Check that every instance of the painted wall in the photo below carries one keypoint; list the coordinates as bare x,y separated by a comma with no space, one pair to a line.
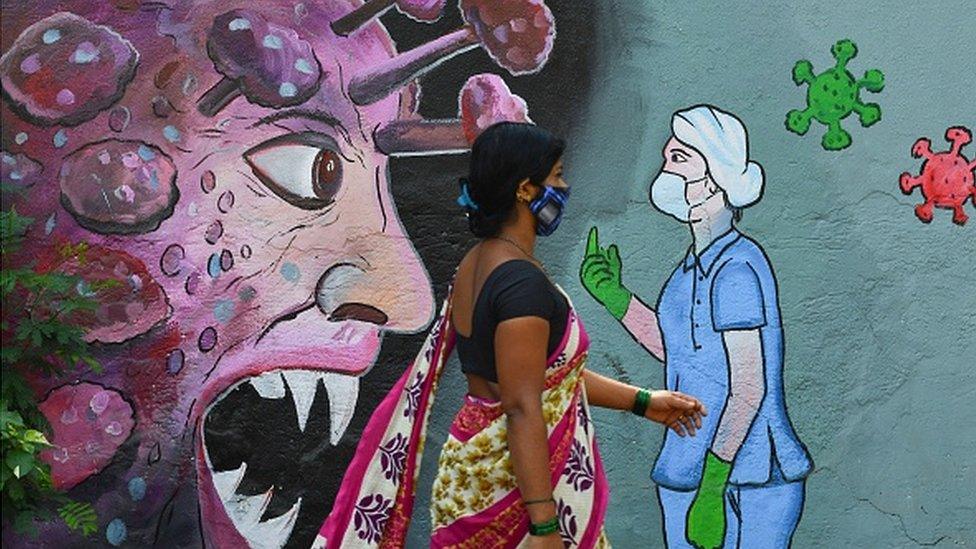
243,228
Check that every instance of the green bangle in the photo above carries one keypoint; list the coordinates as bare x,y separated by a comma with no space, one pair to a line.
544,528
641,402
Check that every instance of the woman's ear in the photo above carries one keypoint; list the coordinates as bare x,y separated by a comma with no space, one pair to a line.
526,191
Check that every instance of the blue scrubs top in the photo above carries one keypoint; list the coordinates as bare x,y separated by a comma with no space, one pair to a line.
729,287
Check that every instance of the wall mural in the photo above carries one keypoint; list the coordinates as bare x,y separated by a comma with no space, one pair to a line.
716,327
228,162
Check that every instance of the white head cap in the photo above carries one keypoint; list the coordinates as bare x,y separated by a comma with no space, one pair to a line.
721,138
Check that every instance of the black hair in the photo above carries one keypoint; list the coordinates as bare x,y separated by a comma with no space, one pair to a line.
503,156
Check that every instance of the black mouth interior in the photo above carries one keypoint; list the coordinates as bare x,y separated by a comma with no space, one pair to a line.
244,427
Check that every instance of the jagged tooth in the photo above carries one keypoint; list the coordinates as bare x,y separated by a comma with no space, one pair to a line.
319,542
273,533
270,385
226,482
343,392
246,511
302,384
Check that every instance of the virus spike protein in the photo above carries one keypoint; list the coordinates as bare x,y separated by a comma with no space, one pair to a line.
517,34
484,100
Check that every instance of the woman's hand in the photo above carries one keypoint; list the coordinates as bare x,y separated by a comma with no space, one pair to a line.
552,541
677,411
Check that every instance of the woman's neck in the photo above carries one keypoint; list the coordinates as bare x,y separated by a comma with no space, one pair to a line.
524,240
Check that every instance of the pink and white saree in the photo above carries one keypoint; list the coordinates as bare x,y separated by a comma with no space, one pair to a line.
475,500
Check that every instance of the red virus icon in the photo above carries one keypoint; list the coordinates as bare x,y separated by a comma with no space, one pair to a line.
946,179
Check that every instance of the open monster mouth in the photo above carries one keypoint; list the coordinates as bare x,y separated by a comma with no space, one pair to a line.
267,440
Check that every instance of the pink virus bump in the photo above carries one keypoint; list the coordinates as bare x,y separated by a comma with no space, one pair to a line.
267,63
129,300
119,187
946,179
486,100
65,69
517,34
89,423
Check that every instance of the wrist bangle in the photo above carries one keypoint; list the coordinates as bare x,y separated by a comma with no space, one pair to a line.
544,528
549,499
641,402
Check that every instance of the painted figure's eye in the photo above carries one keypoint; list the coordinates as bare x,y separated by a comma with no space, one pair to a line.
305,169
677,157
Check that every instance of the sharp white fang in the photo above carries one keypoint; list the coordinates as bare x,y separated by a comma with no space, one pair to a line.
226,482
343,392
319,542
302,384
270,385
273,533
246,511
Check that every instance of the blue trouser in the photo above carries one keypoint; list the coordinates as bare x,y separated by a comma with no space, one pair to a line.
756,517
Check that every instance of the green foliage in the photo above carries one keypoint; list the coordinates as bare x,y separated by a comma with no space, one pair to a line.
80,517
39,336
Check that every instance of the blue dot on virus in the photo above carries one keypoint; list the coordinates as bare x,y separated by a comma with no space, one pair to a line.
290,272
239,24
146,153
287,89
171,134
83,56
51,36
137,489
224,310
116,532
272,42
303,66
60,139
213,266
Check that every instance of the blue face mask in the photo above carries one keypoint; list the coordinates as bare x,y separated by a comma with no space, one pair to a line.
548,209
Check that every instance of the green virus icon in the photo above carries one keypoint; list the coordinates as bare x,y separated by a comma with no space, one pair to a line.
833,95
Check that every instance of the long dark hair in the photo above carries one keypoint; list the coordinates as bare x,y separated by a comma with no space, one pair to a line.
501,157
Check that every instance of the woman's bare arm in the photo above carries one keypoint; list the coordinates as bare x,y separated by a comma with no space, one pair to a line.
520,358
677,411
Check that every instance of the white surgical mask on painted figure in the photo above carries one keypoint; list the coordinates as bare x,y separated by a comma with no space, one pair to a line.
668,195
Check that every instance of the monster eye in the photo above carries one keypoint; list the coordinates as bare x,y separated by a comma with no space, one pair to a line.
304,169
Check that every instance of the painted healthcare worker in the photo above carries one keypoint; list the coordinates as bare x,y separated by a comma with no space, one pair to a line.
717,328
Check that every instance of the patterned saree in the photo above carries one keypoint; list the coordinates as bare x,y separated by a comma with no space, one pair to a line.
475,500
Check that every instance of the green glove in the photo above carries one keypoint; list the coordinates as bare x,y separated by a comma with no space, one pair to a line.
600,273
706,517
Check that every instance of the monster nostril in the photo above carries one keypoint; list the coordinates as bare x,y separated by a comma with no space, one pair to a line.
359,311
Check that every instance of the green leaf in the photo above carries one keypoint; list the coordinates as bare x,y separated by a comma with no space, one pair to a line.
80,517
20,462
35,437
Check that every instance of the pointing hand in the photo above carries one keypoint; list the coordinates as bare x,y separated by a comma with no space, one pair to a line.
601,276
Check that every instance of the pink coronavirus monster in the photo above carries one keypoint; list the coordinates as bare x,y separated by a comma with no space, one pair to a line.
227,162
946,179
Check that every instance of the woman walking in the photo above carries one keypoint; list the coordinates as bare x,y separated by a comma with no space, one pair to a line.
520,467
